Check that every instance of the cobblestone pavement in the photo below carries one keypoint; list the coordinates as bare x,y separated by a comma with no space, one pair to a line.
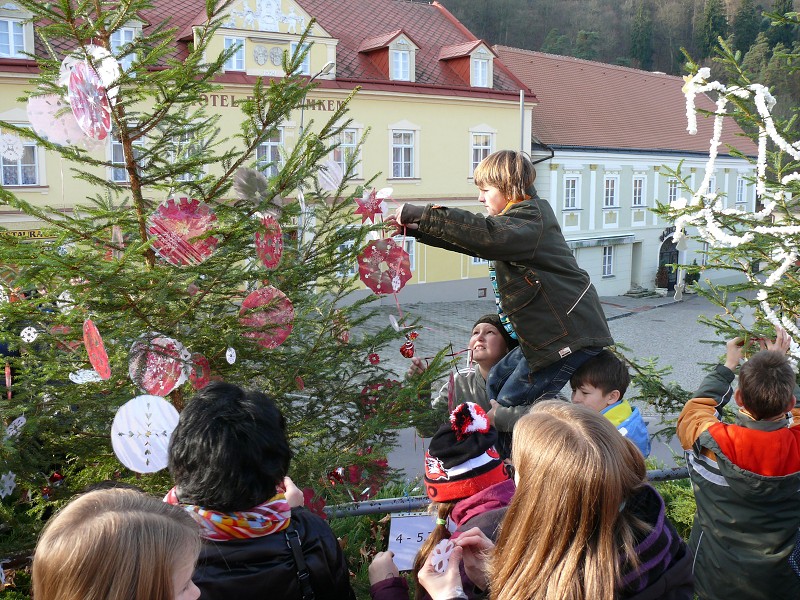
649,327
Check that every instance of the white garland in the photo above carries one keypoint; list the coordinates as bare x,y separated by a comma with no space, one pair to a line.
709,208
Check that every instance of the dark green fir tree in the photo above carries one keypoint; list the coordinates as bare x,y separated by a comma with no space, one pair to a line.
105,262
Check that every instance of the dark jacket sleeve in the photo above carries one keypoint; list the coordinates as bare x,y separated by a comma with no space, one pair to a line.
717,385
510,237
394,588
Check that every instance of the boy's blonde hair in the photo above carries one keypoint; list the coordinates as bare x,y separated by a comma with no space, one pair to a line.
566,534
116,544
510,172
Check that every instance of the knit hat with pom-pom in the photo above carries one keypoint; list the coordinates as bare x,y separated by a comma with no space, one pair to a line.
461,459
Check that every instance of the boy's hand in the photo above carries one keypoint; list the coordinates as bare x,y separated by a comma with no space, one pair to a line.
734,353
781,343
416,368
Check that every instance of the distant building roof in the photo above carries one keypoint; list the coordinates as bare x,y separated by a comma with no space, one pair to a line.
586,104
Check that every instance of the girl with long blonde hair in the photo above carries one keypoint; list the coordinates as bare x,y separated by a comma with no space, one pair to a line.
584,523
117,544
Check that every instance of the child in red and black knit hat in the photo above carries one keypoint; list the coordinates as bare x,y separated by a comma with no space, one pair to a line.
469,485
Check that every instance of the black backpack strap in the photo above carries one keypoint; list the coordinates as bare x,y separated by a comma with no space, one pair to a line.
303,574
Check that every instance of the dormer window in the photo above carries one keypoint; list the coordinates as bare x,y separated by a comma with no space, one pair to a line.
401,53
401,61
16,31
12,38
481,68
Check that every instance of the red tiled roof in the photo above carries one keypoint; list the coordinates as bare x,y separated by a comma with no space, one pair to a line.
430,26
380,41
589,104
459,50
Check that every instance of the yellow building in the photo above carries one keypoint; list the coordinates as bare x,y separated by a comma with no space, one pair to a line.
435,100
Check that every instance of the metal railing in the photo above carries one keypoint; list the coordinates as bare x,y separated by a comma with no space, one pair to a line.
409,503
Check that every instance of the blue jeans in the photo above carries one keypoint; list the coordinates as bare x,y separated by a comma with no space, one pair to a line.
511,382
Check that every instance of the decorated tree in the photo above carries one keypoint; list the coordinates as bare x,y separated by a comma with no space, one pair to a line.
207,264
754,251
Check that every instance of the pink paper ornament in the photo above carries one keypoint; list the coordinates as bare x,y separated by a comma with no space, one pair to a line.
384,266
269,242
96,349
158,364
268,311
89,101
51,117
179,227
370,206
199,372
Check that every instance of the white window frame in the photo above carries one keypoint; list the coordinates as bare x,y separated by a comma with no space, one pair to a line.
348,270
19,166
401,64
608,261
712,185
339,154
407,167
480,71
269,154
672,190
235,62
305,66
575,196
187,146
411,248
119,172
15,31
741,192
611,184
479,151
119,38
638,196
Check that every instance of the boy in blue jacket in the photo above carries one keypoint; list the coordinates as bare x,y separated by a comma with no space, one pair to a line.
599,384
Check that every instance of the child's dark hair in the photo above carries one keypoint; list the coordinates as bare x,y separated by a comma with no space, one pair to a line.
766,384
510,172
604,371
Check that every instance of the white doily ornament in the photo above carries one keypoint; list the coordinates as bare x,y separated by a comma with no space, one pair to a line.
140,433
7,484
14,429
29,334
230,356
65,302
11,147
440,557
85,376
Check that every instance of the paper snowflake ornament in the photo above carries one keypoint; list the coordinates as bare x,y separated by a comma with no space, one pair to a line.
83,376
11,147
269,242
747,316
158,364
230,355
140,433
384,266
269,315
330,176
7,484
29,334
89,101
370,206
180,228
15,428
440,556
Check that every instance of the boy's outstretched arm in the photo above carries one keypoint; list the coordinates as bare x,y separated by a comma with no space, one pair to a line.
715,391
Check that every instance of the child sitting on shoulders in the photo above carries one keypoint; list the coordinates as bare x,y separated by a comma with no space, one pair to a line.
745,476
544,299
600,384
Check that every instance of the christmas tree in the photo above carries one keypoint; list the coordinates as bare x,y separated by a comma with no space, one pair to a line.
209,262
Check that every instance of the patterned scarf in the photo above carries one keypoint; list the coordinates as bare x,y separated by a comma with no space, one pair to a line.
265,519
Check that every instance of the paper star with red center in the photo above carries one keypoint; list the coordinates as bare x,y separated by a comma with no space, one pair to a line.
369,206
